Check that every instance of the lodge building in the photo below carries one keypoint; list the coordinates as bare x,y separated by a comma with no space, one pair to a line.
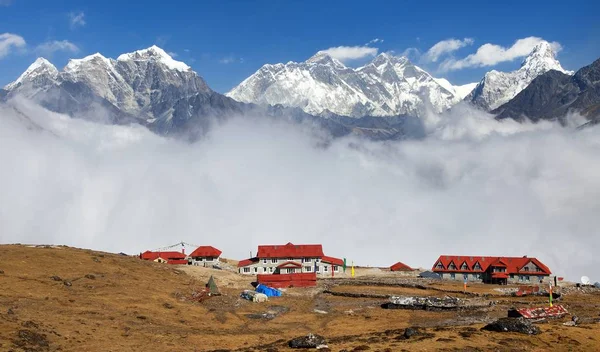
290,259
494,270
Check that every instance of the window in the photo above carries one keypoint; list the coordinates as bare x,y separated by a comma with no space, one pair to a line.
264,260
308,268
246,270
477,267
255,269
290,270
336,268
316,269
440,266
452,276
464,266
527,278
270,269
526,269
274,260
465,276
452,266
325,267
512,276
520,277
306,260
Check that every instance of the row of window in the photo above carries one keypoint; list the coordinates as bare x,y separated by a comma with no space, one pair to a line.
276,260
307,269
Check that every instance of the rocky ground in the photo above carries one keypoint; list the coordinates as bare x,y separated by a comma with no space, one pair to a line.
66,299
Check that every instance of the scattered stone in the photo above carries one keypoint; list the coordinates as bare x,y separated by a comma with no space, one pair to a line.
142,317
67,283
168,305
1,272
10,311
519,325
90,276
361,348
56,278
410,332
320,311
575,319
308,341
31,341
96,260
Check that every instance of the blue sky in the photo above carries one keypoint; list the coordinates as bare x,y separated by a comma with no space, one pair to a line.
226,41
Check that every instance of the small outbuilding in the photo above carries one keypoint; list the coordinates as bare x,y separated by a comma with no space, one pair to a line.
400,267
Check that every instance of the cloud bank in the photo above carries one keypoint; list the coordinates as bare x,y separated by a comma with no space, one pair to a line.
473,186
492,54
445,47
9,42
347,53
50,48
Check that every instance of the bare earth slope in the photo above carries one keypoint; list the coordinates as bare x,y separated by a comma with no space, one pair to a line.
65,299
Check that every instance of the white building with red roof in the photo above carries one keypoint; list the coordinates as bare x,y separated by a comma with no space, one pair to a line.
206,256
290,259
495,270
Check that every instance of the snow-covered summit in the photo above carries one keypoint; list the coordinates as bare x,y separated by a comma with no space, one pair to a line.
497,88
387,86
157,54
40,67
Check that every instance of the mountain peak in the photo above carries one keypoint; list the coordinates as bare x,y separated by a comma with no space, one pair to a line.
388,58
39,67
324,58
542,58
156,54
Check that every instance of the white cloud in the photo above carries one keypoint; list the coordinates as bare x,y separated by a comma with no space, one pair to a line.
445,47
76,19
492,54
230,59
9,42
473,186
346,53
411,53
374,41
49,48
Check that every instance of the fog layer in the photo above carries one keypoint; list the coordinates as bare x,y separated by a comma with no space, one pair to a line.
473,186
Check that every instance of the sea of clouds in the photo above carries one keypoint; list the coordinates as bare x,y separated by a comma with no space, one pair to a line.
473,186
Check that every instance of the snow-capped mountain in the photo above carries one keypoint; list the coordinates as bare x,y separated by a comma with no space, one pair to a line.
387,86
497,88
147,86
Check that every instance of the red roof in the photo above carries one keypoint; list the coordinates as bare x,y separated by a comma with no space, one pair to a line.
290,265
247,262
513,264
206,251
149,255
500,275
290,251
400,267
332,260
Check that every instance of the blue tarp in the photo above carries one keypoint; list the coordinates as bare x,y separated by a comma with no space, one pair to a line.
269,291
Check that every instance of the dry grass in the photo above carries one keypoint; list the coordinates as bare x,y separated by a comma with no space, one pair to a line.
117,303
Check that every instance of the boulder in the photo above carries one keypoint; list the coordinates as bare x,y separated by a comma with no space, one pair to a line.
308,341
519,325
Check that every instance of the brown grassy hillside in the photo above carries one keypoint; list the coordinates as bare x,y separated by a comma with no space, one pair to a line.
66,299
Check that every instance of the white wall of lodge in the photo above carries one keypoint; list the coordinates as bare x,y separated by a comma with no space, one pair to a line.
269,266
204,261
